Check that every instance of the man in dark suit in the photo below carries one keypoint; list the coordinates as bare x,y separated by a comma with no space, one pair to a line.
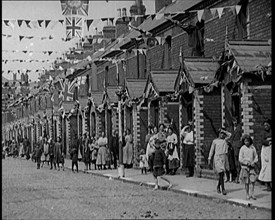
114,144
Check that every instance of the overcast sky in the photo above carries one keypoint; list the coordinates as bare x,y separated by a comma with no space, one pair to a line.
47,10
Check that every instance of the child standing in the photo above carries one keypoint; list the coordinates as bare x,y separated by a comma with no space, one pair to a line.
219,149
265,173
248,158
74,159
143,163
159,160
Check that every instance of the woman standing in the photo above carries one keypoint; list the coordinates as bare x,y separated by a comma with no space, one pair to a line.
86,153
151,148
58,152
265,173
128,150
172,151
219,149
189,147
101,155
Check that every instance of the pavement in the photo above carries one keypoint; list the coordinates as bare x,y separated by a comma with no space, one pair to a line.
192,186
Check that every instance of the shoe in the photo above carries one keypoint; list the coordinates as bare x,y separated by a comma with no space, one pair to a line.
218,190
224,192
253,197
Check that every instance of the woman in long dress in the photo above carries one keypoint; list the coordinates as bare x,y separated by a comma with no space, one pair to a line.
265,173
172,151
151,148
128,150
102,151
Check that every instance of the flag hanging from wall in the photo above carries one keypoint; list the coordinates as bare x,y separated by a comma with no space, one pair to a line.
68,89
75,7
74,27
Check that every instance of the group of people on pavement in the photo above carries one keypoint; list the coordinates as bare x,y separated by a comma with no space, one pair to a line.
234,155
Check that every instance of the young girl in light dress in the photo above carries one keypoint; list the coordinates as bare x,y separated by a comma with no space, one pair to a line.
143,163
248,158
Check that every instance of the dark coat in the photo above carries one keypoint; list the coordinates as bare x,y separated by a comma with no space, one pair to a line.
231,157
74,155
86,152
158,158
114,144
57,152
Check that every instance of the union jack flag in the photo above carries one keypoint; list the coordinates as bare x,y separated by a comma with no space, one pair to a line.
74,27
75,7
67,90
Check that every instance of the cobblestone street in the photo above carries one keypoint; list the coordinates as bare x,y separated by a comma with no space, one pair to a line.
28,193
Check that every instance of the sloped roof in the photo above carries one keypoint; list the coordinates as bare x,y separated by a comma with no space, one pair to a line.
5,80
201,70
135,87
111,91
164,80
149,24
250,54
97,97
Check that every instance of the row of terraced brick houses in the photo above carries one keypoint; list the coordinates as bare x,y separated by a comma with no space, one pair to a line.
207,61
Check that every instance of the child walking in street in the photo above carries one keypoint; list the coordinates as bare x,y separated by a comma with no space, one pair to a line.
143,163
159,161
248,158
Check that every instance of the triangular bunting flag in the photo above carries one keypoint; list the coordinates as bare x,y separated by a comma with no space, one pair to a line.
6,22
19,22
21,37
12,23
90,40
40,22
50,52
24,51
238,8
61,21
213,11
47,23
28,23
89,22
200,14
153,16
220,10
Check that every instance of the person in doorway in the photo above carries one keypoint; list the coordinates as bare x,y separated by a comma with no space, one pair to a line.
38,152
266,164
231,173
151,148
51,154
189,146
86,153
248,158
94,149
219,149
58,152
148,136
101,155
74,158
235,142
114,146
45,155
128,150
172,152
